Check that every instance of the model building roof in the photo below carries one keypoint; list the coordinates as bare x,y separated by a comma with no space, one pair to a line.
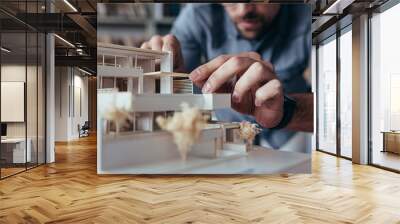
172,102
161,102
166,74
125,51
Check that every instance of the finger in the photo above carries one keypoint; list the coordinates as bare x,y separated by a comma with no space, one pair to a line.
204,71
156,43
230,69
170,43
257,57
268,91
251,54
145,45
255,76
269,65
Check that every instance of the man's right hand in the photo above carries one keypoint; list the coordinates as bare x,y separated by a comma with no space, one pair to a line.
167,43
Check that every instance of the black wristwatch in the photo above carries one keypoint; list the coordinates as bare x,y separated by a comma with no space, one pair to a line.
289,106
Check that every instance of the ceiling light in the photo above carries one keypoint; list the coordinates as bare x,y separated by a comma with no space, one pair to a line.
338,6
86,72
329,9
70,5
65,41
5,50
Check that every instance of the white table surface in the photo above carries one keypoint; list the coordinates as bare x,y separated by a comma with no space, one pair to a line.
259,161
18,151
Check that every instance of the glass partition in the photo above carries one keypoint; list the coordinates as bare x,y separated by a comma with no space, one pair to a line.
22,77
14,153
385,89
326,107
346,93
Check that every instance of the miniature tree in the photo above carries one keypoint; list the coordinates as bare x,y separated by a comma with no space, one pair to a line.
248,132
185,127
118,116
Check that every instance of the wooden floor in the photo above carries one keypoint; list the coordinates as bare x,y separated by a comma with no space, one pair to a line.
70,191
5,172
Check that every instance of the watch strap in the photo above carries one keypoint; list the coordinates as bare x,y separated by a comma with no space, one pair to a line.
289,107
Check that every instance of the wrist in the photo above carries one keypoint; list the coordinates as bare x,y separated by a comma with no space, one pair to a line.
289,107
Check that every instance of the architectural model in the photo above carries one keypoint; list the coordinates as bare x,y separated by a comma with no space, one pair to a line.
150,121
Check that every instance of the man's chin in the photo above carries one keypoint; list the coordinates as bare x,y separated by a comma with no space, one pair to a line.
249,34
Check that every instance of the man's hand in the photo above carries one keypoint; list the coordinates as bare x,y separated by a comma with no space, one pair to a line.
167,43
254,86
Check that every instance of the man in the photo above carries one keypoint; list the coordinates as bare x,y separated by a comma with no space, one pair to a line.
256,52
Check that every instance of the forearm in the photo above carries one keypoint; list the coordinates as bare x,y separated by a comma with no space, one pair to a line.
302,119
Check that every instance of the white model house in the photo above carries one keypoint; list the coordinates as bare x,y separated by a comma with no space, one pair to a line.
130,142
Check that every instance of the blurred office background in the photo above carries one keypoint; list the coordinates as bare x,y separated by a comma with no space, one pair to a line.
131,24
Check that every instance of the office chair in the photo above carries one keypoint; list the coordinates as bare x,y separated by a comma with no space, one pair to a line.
84,130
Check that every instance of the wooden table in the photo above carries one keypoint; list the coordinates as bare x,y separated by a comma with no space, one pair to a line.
391,141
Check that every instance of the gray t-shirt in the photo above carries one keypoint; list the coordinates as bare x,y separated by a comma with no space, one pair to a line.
205,31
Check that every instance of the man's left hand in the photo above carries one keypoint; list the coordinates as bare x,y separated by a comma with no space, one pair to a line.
252,82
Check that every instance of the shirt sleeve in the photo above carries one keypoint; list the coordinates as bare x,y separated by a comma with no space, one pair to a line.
187,30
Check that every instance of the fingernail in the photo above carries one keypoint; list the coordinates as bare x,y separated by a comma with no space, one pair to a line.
206,88
257,103
235,97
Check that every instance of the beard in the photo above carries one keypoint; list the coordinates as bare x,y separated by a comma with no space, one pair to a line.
252,25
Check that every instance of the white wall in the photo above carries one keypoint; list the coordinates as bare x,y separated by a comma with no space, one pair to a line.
33,127
81,84
17,73
70,83
61,103
14,73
